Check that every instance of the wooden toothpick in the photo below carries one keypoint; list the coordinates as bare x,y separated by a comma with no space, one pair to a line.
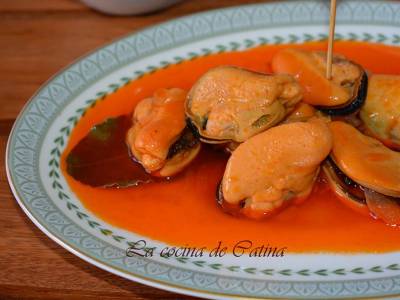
331,39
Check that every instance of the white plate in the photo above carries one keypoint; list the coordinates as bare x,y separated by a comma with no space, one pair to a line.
43,127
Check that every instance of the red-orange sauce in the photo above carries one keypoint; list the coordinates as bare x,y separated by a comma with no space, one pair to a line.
184,212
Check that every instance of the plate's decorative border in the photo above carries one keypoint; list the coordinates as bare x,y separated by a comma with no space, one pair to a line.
31,126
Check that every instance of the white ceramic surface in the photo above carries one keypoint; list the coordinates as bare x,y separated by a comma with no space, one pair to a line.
128,7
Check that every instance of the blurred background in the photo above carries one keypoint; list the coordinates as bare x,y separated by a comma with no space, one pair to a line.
38,38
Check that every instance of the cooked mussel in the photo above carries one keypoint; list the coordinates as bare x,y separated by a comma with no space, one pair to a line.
232,104
301,113
381,112
364,173
159,138
273,168
343,94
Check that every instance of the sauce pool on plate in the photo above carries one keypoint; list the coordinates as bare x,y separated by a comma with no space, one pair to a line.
183,211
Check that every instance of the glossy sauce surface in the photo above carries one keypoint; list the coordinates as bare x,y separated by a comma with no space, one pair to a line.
183,211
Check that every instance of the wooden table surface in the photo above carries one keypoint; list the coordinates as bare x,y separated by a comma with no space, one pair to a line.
38,38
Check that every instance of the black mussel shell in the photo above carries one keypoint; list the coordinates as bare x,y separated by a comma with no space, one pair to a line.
219,195
232,209
352,189
193,128
186,141
196,133
353,105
